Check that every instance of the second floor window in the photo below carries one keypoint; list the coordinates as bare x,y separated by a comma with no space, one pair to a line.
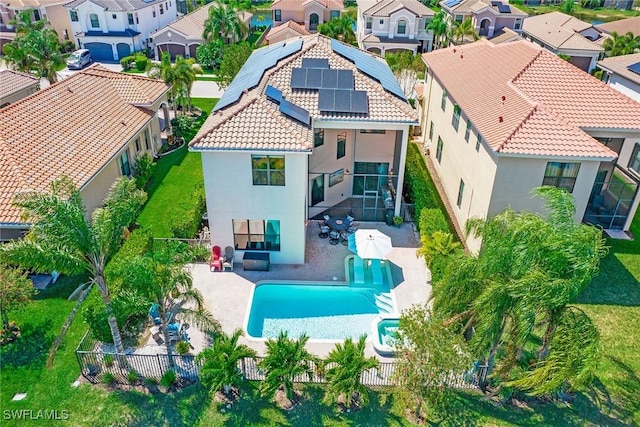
342,145
634,161
455,119
439,150
431,129
268,170
443,102
95,23
74,15
561,175
518,24
277,15
161,9
318,137
467,132
335,14
369,21
402,26
130,18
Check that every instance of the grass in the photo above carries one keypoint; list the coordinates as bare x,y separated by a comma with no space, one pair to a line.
174,175
587,15
254,36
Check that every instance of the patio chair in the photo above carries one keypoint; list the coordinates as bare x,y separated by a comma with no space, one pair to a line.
376,271
358,270
350,217
344,237
326,218
324,231
334,237
216,259
173,330
228,259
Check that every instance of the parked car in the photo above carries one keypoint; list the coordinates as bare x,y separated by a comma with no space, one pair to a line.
78,59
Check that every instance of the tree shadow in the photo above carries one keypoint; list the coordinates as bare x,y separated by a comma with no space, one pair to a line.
31,348
249,409
614,285
397,276
625,403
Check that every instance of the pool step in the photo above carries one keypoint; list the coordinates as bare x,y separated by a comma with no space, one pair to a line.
384,303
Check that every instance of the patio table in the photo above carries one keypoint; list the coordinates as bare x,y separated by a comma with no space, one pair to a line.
338,223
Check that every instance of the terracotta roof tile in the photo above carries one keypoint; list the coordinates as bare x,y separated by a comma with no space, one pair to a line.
301,4
289,25
191,25
386,7
505,35
14,81
526,98
240,118
73,127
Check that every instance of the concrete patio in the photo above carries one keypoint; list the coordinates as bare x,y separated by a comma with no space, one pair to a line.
227,294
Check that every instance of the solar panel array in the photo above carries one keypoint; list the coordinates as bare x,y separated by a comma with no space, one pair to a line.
321,78
369,65
343,101
273,94
495,3
295,112
451,3
315,63
253,69
504,8
635,67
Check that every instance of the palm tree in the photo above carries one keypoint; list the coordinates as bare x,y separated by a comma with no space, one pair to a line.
223,21
617,44
568,7
167,73
344,376
180,75
286,358
185,73
464,29
61,237
220,362
441,30
161,277
340,28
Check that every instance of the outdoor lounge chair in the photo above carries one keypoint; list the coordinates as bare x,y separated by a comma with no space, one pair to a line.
376,272
358,270
216,259
334,237
324,231
228,259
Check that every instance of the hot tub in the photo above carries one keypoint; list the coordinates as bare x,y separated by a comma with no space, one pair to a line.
383,333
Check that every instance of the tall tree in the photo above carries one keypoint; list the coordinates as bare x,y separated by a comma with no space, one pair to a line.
220,362
625,44
340,28
16,290
223,22
568,7
185,72
529,270
441,29
167,73
465,29
348,364
62,238
406,67
233,58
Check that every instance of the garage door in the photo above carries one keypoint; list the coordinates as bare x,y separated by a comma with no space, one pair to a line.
123,50
100,51
581,62
173,49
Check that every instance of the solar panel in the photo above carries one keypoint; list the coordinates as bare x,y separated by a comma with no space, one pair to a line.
314,78
253,69
371,66
295,112
635,67
359,101
298,78
451,3
345,79
495,3
504,8
274,94
326,100
343,101
315,63
329,79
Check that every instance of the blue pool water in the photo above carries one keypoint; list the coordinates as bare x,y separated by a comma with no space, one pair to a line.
387,331
261,18
321,311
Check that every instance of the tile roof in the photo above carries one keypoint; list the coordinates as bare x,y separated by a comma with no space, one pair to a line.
387,7
14,81
529,101
302,4
191,25
264,127
560,31
289,25
372,38
505,35
116,5
24,4
618,65
622,26
73,127
468,6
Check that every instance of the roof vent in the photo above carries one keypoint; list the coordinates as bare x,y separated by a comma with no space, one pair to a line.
124,122
454,50
500,119
461,56
504,98
69,89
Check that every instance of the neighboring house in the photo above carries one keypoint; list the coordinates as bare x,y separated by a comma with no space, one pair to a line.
281,147
90,126
113,29
285,31
506,35
15,86
621,26
529,119
488,17
184,35
565,35
623,74
394,25
51,10
309,13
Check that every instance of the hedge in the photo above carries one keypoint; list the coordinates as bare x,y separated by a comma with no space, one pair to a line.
185,225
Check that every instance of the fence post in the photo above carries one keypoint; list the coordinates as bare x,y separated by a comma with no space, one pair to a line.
159,365
244,369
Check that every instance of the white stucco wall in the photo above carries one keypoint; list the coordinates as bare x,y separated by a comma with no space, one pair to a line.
629,88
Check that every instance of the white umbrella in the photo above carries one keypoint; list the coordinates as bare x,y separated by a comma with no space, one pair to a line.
370,244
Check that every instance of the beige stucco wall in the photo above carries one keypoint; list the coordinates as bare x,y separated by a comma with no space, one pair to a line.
288,15
16,96
58,17
282,35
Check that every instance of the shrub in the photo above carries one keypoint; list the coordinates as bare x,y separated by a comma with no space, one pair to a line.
67,46
125,62
143,170
182,125
186,224
183,347
141,63
132,377
419,188
168,378
200,253
432,220
108,378
108,359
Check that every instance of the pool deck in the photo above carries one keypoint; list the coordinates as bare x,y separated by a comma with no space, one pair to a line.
227,294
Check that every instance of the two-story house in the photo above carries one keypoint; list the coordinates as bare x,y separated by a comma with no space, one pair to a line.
565,35
529,119
309,13
113,29
489,17
623,74
394,25
51,10
91,127
308,125
15,86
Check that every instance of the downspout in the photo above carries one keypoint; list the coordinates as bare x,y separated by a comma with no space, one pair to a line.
426,101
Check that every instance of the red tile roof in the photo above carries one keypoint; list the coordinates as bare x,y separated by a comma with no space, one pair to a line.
528,101
289,25
14,81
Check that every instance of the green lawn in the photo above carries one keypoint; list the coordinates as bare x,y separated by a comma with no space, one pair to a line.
587,15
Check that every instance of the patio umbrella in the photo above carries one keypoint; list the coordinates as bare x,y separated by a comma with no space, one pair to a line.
370,244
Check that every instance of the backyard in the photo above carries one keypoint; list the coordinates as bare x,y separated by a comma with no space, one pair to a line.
612,301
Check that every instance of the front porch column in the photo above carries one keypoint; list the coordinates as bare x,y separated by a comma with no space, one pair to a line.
167,118
403,157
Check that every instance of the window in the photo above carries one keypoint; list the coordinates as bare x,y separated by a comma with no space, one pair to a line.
431,129
114,16
382,22
467,131
336,177
459,19
317,190
460,193
369,176
342,144
138,20
634,161
130,18
161,9
74,15
95,23
277,15
147,144
439,150
478,142
518,24
154,13
261,235
369,21
65,34
335,14
268,170
443,102
36,15
455,119
374,131
402,26
318,137
123,161
561,175
137,144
